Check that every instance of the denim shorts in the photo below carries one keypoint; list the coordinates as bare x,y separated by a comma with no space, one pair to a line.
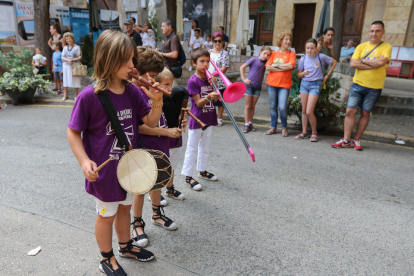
311,87
252,91
58,75
363,97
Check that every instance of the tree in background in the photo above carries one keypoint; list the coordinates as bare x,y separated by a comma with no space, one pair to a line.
41,30
87,53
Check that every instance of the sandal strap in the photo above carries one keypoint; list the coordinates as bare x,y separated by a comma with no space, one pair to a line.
188,180
159,210
108,255
138,219
207,174
172,190
134,229
130,246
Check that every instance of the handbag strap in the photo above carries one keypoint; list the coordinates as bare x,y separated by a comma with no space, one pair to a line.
113,118
372,50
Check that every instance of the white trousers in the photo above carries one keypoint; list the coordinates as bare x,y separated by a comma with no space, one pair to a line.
174,156
200,139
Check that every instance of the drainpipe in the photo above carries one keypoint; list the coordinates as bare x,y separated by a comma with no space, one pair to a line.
229,19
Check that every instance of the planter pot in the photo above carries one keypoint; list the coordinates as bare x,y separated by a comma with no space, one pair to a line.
322,121
22,96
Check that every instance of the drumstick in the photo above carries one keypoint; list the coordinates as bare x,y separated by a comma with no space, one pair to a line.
103,164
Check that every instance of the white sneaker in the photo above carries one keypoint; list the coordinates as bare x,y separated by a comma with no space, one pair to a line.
64,98
219,122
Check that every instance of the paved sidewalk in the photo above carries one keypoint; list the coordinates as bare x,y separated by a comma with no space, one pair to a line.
390,127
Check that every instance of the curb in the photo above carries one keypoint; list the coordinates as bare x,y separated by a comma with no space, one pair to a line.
292,124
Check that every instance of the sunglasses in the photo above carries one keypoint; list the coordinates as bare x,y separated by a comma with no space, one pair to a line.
217,41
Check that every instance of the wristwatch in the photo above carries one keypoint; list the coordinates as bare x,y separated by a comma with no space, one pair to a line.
361,60
277,65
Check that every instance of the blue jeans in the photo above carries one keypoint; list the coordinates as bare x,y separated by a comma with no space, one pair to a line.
278,97
363,97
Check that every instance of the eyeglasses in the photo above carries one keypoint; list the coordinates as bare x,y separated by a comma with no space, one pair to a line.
217,41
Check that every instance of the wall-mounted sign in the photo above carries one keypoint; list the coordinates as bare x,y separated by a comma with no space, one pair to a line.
8,32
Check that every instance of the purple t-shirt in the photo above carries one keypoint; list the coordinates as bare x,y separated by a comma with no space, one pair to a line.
256,72
312,64
98,135
161,143
207,114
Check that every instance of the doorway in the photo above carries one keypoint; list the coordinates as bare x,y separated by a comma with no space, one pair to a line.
303,25
354,21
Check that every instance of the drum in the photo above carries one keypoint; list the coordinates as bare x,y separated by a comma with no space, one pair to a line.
140,171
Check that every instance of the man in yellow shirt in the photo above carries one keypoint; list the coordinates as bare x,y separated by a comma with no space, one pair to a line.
370,60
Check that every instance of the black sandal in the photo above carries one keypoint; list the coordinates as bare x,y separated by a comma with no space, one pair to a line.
207,176
106,266
171,192
142,255
168,223
141,240
195,185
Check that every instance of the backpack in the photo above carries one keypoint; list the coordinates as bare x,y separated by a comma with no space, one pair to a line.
181,59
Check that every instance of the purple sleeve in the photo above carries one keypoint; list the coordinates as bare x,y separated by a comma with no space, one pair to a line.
300,65
80,113
143,107
193,88
250,62
325,59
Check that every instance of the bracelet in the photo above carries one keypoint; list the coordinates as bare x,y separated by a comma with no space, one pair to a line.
328,75
205,97
157,106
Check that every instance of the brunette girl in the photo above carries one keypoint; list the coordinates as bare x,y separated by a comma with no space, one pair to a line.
93,141
310,68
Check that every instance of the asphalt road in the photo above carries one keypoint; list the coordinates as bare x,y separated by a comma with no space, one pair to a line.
302,209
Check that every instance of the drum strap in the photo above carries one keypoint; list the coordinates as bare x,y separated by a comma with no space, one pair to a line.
113,118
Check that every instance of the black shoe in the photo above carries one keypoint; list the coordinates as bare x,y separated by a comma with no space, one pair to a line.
193,185
106,267
143,255
141,240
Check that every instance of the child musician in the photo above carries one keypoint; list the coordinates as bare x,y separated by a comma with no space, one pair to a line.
93,140
202,106
150,62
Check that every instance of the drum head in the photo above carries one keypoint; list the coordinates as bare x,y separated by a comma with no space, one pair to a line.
137,171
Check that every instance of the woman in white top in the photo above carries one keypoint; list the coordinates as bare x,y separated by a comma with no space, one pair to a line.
148,35
221,58
71,55
191,36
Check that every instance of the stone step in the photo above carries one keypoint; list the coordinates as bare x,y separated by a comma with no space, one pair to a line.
395,109
392,97
400,83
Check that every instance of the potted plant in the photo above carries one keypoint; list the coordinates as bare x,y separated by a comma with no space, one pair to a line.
328,109
19,82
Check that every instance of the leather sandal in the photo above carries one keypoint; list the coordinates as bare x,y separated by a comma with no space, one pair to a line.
106,266
141,240
192,183
159,214
314,137
172,192
285,133
142,255
271,131
301,136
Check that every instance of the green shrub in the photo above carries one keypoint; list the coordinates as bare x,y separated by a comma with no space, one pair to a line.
87,52
20,76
